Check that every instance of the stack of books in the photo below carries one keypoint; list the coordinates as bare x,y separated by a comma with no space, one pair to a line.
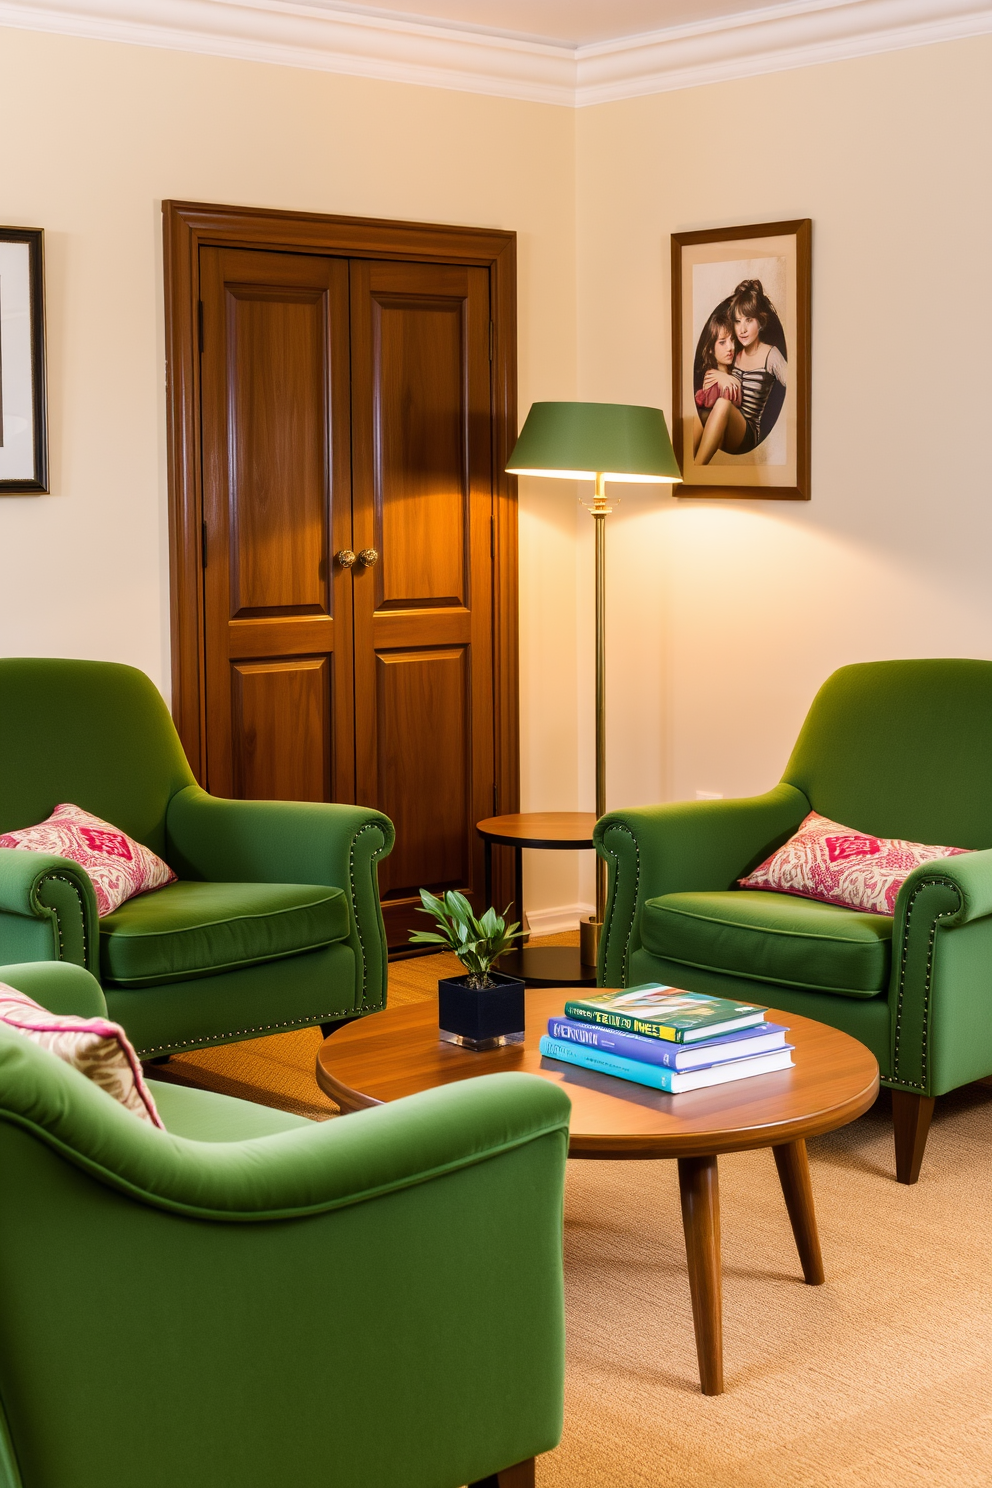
667,1038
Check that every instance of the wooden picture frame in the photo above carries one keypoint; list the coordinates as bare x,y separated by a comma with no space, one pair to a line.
741,408
23,382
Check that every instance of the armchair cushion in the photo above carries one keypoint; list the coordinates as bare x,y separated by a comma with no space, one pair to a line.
194,929
206,1116
773,937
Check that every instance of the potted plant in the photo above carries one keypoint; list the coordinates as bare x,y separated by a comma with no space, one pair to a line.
482,1009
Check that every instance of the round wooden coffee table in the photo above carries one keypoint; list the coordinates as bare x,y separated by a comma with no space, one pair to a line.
835,1079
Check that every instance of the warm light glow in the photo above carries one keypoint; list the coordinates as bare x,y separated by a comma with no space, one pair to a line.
608,475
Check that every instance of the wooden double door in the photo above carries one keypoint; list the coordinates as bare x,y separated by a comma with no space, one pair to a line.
347,547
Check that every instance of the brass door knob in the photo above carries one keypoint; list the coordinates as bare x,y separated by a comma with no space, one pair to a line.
346,558
368,557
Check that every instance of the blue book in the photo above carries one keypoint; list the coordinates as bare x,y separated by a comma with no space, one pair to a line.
740,1045
673,1082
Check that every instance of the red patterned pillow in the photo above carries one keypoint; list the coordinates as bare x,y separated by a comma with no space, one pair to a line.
96,1048
841,866
118,866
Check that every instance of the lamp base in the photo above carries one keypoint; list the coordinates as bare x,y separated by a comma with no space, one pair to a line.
590,930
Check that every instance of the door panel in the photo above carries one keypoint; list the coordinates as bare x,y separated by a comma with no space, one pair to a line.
422,497
421,492
278,428
272,762
276,506
422,694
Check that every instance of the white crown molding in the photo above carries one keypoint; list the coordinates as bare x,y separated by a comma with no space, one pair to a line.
317,38
776,38
800,33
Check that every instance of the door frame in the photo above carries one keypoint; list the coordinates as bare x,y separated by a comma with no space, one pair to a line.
188,226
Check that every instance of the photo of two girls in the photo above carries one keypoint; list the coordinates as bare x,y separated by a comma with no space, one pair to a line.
740,374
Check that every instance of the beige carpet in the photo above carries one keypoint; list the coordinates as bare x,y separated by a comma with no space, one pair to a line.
882,1378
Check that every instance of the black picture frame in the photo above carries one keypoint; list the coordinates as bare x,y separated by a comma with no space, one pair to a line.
35,483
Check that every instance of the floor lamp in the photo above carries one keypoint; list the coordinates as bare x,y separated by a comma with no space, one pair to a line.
596,442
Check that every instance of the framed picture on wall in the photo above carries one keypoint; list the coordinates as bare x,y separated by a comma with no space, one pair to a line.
741,361
23,394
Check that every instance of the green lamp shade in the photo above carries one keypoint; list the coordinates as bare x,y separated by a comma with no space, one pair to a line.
577,441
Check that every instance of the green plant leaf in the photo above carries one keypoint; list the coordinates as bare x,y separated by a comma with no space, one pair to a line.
491,924
476,942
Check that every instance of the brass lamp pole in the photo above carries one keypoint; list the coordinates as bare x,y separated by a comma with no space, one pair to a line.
597,442
600,511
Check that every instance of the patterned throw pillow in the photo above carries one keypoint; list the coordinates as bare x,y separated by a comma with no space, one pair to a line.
118,866
96,1048
841,866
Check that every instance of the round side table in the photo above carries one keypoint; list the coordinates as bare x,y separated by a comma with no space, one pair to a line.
557,831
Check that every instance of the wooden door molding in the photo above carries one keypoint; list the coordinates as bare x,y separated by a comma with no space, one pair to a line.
189,226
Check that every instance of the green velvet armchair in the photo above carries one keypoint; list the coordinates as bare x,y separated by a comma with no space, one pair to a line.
275,923
250,1299
896,749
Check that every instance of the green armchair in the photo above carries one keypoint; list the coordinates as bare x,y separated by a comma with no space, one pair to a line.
249,1299
275,923
894,748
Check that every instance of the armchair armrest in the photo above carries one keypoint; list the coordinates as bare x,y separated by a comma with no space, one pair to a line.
684,845
966,881
306,842
290,1175
943,901
59,986
47,909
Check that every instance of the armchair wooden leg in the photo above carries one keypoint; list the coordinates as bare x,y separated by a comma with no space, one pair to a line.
521,1476
911,1119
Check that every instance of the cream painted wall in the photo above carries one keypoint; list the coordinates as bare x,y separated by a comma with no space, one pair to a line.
726,616
109,131
723,617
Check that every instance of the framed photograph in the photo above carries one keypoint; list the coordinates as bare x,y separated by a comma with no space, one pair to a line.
23,394
741,361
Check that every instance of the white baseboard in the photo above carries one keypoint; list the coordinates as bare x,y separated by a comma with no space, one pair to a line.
557,919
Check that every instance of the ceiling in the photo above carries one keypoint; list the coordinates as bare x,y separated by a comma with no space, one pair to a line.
571,23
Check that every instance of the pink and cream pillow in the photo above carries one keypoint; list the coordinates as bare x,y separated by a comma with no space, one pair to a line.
98,1049
840,866
117,866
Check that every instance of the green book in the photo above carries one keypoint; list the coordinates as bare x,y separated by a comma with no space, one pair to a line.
657,1011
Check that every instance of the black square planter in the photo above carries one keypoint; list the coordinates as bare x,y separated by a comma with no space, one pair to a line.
481,1017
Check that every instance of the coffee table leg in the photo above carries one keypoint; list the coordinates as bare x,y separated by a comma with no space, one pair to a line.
793,1174
700,1192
